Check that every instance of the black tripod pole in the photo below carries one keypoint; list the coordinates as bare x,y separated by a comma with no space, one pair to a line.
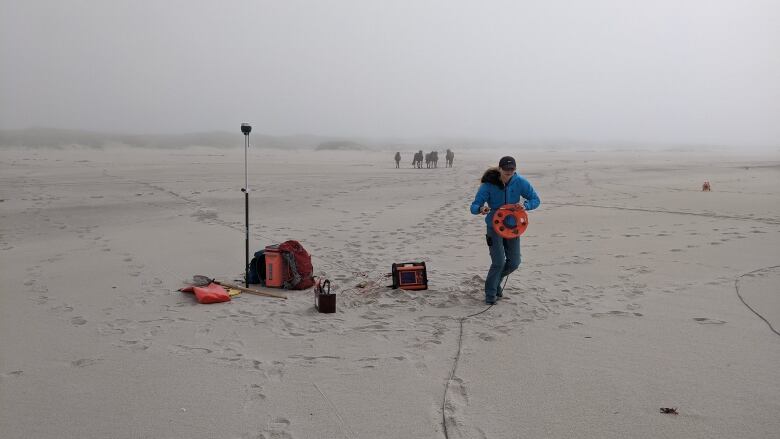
246,129
246,251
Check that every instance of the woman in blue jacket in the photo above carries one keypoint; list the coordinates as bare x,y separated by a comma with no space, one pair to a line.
501,186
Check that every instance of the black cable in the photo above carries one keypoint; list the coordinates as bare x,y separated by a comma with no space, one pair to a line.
736,287
455,363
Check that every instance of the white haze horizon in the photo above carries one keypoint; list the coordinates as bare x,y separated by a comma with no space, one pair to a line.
599,72
44,137
478,140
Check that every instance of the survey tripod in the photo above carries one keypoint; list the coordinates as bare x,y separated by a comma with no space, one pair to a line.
246,129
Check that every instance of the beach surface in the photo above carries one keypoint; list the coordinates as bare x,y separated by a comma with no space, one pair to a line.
637,292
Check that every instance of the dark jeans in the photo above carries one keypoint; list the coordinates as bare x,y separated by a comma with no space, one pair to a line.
505,257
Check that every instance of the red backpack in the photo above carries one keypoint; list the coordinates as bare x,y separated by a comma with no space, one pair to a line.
299,262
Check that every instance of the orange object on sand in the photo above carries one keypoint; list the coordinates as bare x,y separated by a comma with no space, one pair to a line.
275,267
211,293
510,221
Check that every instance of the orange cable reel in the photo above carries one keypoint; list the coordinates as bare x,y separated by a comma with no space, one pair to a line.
510,221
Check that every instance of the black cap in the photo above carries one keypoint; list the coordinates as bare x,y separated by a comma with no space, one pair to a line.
507,162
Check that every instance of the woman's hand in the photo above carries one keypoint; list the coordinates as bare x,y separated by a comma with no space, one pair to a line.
484,210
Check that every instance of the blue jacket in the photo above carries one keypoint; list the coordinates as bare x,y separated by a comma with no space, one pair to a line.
496,194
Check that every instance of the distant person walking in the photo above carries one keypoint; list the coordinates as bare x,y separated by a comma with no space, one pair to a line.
397,160
501,186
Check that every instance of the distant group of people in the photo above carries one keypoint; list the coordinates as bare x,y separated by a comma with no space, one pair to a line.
431,159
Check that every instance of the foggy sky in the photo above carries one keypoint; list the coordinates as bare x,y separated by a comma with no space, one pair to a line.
703,71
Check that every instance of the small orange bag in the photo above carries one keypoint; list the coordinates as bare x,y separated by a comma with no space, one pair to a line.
212,293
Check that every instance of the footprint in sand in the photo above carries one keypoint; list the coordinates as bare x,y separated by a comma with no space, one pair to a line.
84,362
708,321
276,371
616,314
255,393
278,429
62,308
369,362
11,374
183,349
484,336
133,345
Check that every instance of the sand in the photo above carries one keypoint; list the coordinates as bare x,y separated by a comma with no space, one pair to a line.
626,301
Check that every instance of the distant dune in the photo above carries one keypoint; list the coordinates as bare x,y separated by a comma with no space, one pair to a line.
340,145
39,137
60,138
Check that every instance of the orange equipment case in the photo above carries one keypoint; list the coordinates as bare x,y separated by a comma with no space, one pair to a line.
410,276
276,271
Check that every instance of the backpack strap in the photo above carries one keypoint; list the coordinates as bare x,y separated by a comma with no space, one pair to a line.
295,276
